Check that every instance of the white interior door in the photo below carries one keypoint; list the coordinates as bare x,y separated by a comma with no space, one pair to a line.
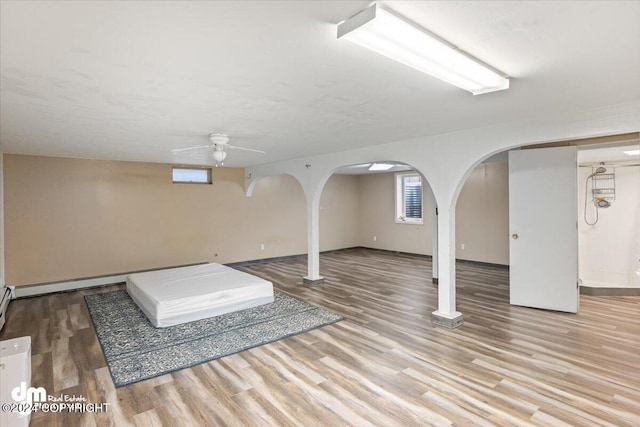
543,216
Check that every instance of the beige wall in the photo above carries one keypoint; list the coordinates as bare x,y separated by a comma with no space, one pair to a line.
69,218
339,213
482,216
377,211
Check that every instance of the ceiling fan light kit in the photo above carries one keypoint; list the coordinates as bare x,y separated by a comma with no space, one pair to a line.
395,37
219,142
219,155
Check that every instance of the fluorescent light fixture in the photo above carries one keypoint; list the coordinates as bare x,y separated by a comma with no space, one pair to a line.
632,152
380,167
388,34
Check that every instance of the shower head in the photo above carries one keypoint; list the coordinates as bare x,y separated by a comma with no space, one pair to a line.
598,171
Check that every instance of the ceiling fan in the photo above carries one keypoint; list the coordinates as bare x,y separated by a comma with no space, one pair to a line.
219,143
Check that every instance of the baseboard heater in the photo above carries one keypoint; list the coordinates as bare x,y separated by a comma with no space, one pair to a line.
4,304
90,282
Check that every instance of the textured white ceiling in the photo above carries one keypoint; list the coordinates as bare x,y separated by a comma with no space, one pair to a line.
130,80
592,156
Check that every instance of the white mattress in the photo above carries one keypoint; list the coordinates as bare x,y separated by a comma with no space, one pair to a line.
179,295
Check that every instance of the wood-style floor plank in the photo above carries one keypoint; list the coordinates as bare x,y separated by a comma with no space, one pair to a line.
385,365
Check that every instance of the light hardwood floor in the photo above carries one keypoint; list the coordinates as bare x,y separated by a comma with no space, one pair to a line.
384,365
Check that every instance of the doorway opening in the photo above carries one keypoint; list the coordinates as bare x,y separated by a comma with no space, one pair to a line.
609,218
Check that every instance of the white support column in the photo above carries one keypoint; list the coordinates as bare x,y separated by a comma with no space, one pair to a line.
434,238
2,256
434,245
313,242
446,315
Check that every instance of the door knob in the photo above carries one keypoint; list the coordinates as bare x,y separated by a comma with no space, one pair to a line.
514,235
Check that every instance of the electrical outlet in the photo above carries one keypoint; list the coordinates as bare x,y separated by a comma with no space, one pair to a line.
462,246
375,238
262,246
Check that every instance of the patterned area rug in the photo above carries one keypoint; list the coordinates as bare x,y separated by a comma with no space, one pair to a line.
135,350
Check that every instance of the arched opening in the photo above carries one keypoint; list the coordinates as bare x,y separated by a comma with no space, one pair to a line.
388,208
482,233
484,195
390,215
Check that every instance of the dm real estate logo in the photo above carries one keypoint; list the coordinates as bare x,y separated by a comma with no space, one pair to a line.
35,399
26,398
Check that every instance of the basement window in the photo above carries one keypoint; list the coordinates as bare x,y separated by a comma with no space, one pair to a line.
192,175
408,198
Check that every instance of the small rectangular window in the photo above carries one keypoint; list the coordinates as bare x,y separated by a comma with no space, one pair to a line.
408,198
192,175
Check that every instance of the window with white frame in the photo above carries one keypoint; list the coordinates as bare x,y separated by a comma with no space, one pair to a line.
192,175
408,198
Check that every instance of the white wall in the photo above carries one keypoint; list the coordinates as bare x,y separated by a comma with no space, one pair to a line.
609,250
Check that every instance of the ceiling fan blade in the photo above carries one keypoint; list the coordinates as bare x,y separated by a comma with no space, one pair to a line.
178,150
245,149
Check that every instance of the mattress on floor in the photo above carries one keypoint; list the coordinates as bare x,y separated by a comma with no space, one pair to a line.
179,295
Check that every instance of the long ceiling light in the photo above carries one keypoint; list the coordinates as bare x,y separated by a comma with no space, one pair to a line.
390,35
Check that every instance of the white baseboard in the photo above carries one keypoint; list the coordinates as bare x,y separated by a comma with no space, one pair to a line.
31,290
595,284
